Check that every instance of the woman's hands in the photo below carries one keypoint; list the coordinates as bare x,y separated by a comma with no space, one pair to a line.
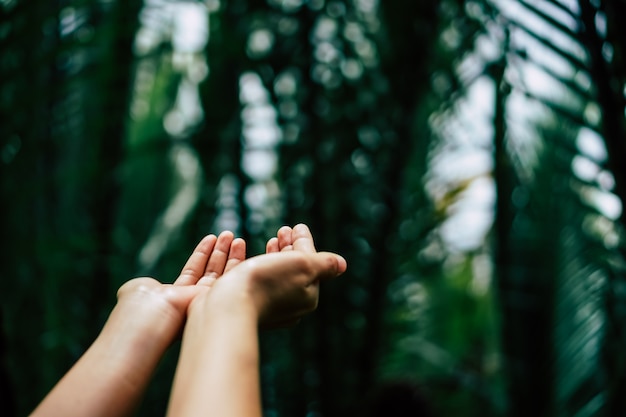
277,288
218,368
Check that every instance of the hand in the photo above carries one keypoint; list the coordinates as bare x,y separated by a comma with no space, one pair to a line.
161,308
280,287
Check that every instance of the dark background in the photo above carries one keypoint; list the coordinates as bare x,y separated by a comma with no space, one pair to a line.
466,157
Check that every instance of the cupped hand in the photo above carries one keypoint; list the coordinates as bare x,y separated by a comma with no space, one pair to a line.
283,285
161,308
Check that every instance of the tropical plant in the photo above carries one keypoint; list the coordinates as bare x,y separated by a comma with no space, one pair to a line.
463,155
559,251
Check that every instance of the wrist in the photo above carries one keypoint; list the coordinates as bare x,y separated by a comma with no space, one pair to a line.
231,296
132,346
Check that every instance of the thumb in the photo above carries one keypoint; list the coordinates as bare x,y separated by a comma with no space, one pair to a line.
330,265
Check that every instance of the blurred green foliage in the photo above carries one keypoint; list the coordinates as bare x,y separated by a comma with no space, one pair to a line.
464,156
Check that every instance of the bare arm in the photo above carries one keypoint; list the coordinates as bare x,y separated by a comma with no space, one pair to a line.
110,378
112,375
218,369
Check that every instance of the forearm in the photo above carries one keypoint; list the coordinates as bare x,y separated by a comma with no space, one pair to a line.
110,378
218,369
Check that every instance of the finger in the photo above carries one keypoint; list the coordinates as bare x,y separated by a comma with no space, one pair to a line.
196,264
236,255
284,236
302,240
342,264
305,269
217,260
207,280
272,245
329,265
